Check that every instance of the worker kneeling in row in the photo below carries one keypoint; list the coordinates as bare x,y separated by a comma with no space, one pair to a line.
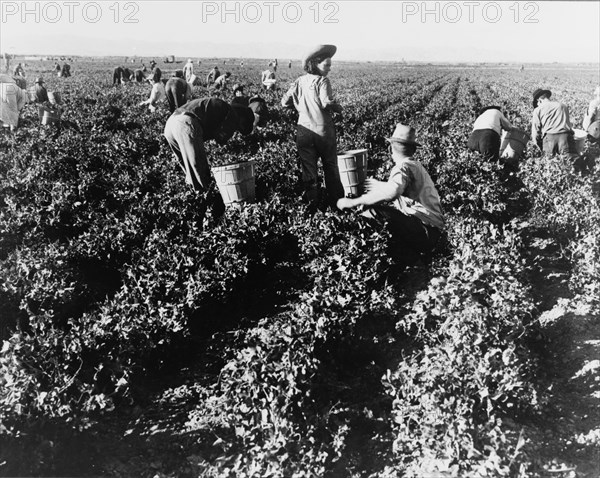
415,216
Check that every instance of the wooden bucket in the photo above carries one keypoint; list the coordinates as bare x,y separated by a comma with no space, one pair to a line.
353,171
50,116
579,136
236,182
513,143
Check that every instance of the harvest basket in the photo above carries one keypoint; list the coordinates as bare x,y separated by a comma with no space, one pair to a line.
353,171
49,116
236,182
513,143
579,136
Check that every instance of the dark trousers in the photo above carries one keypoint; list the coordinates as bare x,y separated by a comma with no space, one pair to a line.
560,143
486,142
406,230
311,147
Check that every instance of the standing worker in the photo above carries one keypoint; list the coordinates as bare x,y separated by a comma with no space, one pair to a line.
12,100
487,129
551,127
312,97
188,70
178,91
194,123
415,218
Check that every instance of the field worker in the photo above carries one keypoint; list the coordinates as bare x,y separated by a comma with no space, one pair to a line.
414,217
212,76
593,113
239,98
117,75
158,93
551,127
259,107
40,94
12,100
127,75
152,65
178,92
18,70
290,64
139,74
188,70
312,97
487,129
66,70
194,123
267,79
221,82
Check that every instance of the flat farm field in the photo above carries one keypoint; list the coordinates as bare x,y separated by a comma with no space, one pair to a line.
143,337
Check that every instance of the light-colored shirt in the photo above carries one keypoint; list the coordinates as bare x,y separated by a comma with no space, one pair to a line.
312,97
418,195
157,94
593,113
550,117
188,71
220,82
12,100
492,119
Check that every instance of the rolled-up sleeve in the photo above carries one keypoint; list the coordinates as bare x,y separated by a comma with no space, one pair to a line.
536,127
326,96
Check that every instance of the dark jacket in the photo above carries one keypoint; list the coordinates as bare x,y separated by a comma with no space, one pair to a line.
176,89
41,94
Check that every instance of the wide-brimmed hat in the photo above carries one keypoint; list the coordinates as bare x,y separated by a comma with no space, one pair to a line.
539,92
404,134
485,108
320,51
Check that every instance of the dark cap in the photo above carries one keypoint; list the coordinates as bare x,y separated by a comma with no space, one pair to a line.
539,92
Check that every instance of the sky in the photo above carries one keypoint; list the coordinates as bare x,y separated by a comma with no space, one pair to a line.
432,31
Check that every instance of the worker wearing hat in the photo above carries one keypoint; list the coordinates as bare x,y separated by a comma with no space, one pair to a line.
551,127
39,93
485,137
311,95
408,202
194,123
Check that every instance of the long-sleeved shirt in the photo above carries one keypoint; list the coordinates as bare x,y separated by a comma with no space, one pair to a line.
312,97
550,117
157,94
12,100
188,71
418,195
178,92
492,119
213,114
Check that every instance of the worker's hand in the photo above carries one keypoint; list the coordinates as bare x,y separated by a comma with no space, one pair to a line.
345,203
373,184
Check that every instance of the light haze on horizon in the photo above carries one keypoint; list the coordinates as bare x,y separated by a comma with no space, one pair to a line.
437,31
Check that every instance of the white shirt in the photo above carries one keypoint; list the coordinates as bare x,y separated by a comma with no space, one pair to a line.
492,119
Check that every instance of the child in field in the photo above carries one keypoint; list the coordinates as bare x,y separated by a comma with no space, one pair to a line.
312,97
415,218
